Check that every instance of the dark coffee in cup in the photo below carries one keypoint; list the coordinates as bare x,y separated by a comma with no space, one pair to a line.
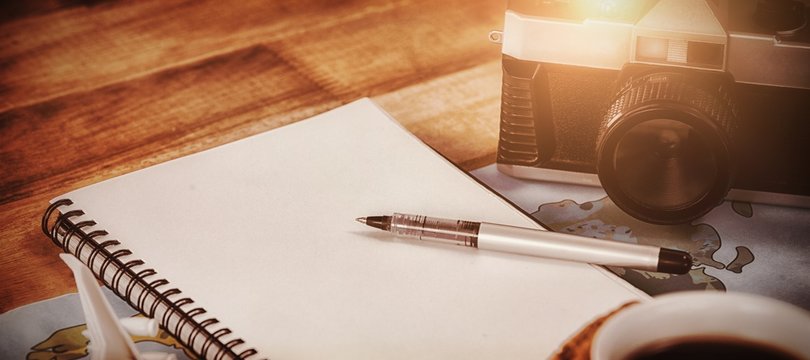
710,348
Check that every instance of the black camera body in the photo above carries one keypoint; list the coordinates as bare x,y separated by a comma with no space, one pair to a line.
670,105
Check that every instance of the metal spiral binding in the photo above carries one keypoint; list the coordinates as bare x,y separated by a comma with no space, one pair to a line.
64,230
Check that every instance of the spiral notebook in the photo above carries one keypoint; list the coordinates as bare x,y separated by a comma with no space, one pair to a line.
250,250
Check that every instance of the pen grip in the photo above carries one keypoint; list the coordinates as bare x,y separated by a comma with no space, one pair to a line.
435,229
561,246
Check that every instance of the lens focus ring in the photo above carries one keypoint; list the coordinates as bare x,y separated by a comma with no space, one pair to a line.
710,97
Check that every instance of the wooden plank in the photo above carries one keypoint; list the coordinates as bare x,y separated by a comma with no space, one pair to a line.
380,53
87,137
31,269
85,48
457,114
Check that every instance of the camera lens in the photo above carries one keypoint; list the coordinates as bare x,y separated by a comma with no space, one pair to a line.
664,147
665,164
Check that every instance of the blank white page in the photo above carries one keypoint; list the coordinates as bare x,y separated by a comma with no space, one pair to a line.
261,232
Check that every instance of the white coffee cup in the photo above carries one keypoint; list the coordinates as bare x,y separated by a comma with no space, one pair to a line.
688,315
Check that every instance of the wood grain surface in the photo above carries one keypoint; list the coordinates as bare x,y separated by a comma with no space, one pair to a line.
90,90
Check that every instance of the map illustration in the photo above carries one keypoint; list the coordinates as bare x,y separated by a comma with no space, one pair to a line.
69,343
52,329
738,246
603,220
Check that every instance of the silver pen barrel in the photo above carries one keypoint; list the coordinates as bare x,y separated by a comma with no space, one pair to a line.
561,246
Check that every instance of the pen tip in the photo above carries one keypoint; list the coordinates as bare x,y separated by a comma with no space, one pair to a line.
361,220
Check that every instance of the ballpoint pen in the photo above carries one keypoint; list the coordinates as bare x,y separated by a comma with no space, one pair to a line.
525,241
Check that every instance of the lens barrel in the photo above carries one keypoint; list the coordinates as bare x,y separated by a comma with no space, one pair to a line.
664,153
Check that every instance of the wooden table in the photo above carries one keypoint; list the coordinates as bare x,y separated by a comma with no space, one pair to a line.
93,89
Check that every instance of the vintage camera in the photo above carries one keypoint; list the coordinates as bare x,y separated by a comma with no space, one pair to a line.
667,104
